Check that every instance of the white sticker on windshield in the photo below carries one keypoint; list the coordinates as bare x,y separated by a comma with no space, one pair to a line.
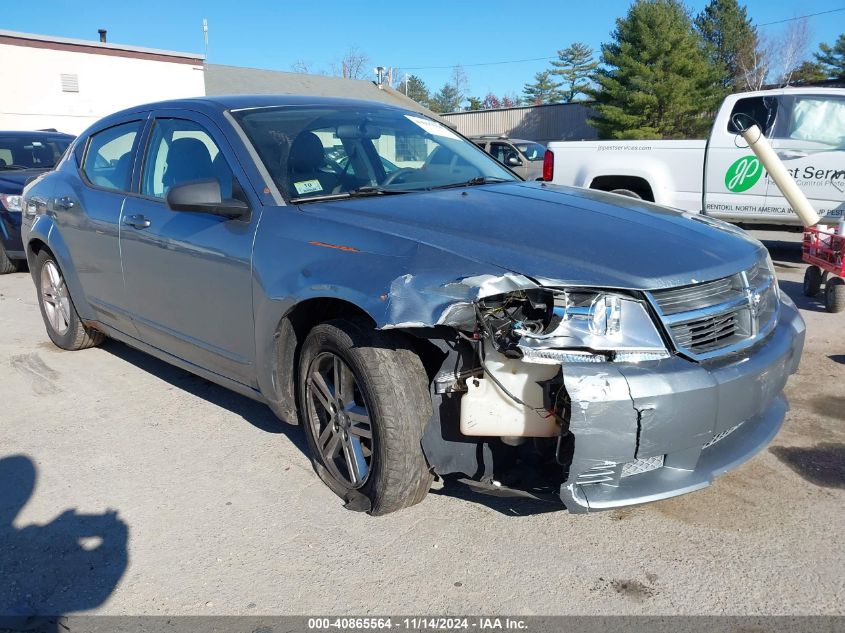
432,127
308,186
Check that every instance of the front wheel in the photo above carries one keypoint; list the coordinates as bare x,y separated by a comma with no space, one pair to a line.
7,265
364,403
64,326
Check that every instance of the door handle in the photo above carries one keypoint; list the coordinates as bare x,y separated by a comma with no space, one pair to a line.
137,220
788,154
65,202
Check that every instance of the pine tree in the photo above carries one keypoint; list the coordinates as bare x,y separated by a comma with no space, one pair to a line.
731,40
574,65
808,72
447,99
474,103
832,58
543,90
415,88
657,81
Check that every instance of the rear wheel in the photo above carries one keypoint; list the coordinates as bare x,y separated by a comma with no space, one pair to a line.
812,281
364,403
834,295
7,265
64,327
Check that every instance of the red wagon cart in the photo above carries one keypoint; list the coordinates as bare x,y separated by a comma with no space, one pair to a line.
825,252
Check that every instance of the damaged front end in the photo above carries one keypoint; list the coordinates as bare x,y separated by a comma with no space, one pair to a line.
589,386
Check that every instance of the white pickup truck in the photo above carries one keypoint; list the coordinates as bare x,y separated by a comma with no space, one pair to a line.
721,175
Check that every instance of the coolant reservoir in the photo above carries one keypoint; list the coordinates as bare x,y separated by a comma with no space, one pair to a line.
488,411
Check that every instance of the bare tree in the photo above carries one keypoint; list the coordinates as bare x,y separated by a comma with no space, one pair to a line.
460,81
353,65
301,66
754,62
792,49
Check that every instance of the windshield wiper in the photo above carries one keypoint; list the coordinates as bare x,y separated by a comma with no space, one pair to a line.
14,167
478,180
375,190
360,192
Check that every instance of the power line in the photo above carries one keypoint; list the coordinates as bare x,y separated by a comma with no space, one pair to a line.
542,59
801,17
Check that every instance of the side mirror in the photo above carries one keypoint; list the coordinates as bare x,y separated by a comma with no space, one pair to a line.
513,161
203,196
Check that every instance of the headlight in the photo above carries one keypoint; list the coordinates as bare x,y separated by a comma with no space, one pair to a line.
11,202
554,326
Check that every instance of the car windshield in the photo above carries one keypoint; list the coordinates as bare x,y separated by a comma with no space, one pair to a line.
315,152
23,151
532,151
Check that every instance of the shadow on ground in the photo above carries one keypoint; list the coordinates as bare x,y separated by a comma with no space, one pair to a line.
72,563
256,413
822,464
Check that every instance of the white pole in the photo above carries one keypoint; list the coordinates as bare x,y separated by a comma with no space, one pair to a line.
761,147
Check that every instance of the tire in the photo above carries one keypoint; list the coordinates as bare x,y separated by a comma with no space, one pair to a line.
627,192
381,409
7,265
812,281
834,295
63,325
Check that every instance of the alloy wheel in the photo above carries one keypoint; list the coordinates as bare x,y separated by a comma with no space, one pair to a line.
55,298
339,419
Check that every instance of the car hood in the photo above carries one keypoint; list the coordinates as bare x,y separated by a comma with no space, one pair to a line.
557,234
13,180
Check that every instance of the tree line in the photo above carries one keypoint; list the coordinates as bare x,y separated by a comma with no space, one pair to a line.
662,72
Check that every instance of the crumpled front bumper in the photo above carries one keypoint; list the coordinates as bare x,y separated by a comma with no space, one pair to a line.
650,431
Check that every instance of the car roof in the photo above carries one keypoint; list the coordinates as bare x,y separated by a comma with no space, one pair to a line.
222,103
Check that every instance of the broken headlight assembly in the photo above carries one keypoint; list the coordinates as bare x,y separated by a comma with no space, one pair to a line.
571,325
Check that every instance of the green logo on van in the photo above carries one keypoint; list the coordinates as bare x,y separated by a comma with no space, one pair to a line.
743,174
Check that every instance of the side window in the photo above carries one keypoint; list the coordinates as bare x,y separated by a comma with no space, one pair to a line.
181,151
108,159
762,110
502,151
816,119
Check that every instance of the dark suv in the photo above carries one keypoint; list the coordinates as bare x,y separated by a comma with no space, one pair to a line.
23,155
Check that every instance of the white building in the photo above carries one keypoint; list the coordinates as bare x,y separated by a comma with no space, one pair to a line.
67,84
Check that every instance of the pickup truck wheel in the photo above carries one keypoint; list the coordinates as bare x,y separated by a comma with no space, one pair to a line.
7,265
812,281
834,295
364,403
64,327
627,192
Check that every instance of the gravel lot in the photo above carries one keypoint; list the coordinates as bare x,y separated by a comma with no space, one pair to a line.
219,512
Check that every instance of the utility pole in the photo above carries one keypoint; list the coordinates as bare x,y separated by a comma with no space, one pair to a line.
205,36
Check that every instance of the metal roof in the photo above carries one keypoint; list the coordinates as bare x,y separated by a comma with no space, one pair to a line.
230,80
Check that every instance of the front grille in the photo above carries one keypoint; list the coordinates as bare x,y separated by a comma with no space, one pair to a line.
716,317
720,436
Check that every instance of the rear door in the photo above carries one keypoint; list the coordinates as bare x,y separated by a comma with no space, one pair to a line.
809,138
188,274
735,185
87,206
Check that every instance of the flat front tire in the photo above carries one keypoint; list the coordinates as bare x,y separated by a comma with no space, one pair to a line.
63,324
364,404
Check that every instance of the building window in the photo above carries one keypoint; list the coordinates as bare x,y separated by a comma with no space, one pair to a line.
70,82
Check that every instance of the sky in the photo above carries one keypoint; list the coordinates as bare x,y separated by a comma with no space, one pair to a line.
422,38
